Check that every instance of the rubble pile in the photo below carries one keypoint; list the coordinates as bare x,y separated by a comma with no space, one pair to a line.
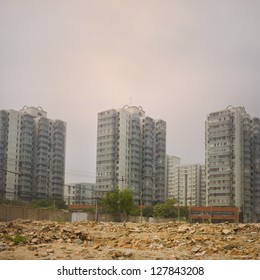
27,239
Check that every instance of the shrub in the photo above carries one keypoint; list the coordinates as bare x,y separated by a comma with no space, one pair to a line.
17,239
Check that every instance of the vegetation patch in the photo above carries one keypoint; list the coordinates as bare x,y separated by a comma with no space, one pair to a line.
17,239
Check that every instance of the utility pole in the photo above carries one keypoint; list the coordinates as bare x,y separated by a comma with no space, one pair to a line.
141,205
96,209
190,217
178,210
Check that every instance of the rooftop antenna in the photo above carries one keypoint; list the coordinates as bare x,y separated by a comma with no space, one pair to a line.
130,101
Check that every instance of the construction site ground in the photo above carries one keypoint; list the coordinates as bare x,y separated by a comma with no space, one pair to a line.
47,240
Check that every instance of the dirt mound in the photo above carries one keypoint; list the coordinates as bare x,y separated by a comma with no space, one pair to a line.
29,240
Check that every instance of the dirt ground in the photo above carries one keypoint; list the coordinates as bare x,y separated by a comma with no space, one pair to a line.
46,240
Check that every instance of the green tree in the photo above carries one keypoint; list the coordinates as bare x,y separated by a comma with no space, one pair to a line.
111,201
49,203
42,203
148,211
184,212
126,201
166,210
118,201
12,202
60,204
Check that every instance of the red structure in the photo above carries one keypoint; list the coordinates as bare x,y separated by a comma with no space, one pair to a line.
214,214
79,207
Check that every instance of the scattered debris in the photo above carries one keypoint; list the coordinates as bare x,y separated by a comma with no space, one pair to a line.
91,240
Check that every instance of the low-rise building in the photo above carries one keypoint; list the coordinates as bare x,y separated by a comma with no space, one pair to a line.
214,214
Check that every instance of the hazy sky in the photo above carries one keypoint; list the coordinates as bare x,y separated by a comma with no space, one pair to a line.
178,59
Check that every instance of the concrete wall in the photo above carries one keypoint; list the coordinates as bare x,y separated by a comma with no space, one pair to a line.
81,216
10,213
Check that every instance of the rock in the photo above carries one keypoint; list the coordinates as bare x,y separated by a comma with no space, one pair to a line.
3,246
228,247
127,254
32,248
44,254
50,251
116,254
172,257
183,229
196,249
200,254
48,239
126,241
155,246
226,231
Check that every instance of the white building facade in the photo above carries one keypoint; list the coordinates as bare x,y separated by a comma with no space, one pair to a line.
79,193
32,155
172,161
233,161
131,153
186,183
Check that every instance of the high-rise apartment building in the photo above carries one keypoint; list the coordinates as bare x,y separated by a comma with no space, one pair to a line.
172,161
32,155
233,161
186,183
131,153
